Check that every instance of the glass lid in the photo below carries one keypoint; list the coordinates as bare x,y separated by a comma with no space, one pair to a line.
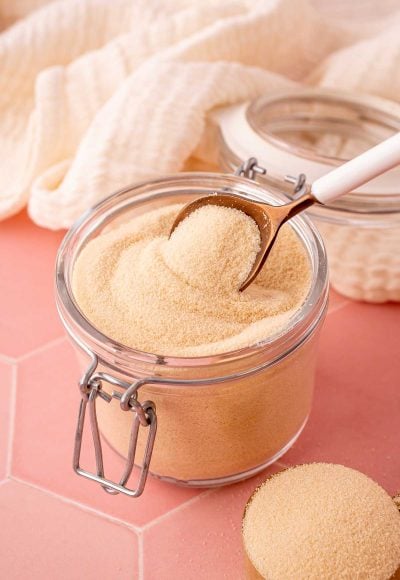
310,131
325,125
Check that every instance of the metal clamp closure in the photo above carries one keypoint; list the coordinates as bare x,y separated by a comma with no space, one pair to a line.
144,415
250,169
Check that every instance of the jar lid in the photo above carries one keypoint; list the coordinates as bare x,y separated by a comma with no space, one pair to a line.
310,131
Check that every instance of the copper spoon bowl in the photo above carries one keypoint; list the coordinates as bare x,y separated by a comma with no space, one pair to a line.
327,188
269,219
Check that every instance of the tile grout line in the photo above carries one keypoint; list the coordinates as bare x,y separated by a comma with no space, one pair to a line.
338,307
78,505
283,465
12,415
41,348
7,359
177,509
140,556
193,500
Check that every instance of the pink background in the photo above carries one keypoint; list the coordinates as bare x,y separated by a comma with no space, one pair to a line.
56,525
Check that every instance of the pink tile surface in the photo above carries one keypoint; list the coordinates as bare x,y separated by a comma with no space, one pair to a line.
28,317
181,534
336,300
355,418
6,388
203,540
47,408
49,539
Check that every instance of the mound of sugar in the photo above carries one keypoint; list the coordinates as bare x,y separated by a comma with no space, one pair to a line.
214,248
180,295
319,521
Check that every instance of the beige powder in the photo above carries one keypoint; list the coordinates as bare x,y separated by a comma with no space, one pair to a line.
180,296
321,521
223,430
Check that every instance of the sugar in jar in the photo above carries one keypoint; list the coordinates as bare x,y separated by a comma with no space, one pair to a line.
197,415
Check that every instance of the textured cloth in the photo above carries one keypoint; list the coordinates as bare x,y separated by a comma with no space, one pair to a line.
98,94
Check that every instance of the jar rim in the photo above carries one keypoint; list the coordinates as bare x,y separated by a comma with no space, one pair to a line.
374,118
372,108
92,340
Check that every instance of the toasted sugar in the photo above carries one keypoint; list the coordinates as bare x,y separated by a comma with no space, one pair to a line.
322,521
213,249
180,296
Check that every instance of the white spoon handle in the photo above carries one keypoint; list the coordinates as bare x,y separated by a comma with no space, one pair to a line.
358,171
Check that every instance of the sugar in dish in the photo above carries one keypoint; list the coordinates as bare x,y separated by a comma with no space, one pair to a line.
321,521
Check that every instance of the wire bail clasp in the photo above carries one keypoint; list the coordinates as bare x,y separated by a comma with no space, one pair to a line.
144,416
250,169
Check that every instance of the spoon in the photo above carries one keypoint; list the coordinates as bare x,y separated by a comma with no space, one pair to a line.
327,188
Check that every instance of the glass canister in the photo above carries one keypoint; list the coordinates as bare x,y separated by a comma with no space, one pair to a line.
309,131
219,419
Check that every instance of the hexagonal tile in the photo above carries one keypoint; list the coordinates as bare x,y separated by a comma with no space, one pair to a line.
6,390
202,540
43,537
47,407
355,417
28,317
187,534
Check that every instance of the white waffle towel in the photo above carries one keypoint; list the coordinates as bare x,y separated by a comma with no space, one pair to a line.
98,94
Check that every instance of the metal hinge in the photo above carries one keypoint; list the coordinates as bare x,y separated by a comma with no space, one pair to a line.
91,387
250,169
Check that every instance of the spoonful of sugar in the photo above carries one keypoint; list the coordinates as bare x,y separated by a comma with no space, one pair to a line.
327,188
213,249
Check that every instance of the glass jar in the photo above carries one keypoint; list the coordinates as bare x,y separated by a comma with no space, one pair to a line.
310,131
220,418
